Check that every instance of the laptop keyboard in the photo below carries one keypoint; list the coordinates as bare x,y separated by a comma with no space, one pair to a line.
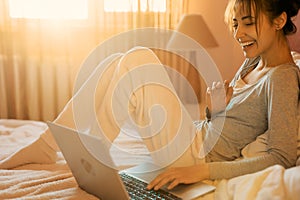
137,190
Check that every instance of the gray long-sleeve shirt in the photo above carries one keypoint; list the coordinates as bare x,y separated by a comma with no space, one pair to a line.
270,107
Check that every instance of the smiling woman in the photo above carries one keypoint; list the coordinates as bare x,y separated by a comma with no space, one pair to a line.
49,9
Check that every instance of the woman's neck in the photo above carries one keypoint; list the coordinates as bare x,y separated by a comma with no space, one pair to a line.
279,54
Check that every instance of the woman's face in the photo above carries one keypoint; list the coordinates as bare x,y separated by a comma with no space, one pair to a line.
254,42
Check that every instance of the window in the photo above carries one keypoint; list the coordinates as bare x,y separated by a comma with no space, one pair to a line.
48,9
134,5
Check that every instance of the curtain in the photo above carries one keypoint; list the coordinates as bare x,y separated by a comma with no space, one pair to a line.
39,58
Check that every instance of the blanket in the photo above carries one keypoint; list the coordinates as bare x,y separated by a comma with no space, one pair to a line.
38,181
274,182
20,144
22,178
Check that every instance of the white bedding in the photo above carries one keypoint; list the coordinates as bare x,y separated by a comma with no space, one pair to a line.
274,182
32,181
40,181
55,181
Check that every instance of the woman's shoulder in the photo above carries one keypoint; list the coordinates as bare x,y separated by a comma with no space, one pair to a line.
285,70
286,74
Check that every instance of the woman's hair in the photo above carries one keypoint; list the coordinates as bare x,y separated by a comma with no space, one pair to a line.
272,9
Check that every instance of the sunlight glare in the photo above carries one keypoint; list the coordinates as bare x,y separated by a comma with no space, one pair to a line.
132,5
49,9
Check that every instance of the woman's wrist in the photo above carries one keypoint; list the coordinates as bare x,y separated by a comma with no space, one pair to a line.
207,114
206,171
203,170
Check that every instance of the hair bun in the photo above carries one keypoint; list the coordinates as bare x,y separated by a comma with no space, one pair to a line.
293,8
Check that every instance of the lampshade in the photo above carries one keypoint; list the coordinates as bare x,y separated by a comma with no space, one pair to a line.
193,26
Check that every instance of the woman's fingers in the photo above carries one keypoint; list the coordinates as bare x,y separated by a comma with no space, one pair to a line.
173,184
229,94
180,175
216,85
229,91
158,182
171,177
226,85
219,85
218,96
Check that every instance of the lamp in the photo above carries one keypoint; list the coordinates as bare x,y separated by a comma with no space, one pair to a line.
193,26
190,35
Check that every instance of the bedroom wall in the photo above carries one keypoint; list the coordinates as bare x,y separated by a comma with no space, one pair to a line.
295,38
228,55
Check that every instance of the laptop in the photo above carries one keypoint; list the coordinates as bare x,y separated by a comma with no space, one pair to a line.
93,168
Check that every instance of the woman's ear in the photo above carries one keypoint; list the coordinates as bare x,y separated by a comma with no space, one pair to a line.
280,21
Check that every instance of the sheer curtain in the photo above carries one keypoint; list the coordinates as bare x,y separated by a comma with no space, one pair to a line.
39,58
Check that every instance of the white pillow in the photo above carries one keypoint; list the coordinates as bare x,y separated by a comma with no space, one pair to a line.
296,57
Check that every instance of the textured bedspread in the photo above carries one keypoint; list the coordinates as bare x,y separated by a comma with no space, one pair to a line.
20,178
40,181
32,181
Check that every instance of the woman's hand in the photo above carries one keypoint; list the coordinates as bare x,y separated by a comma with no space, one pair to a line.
218,96
180,175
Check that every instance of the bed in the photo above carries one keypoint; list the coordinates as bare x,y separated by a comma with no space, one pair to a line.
21,177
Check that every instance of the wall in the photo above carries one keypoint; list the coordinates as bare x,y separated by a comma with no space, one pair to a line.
295,38
228,55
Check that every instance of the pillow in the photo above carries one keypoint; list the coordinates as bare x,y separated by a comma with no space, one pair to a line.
296,57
